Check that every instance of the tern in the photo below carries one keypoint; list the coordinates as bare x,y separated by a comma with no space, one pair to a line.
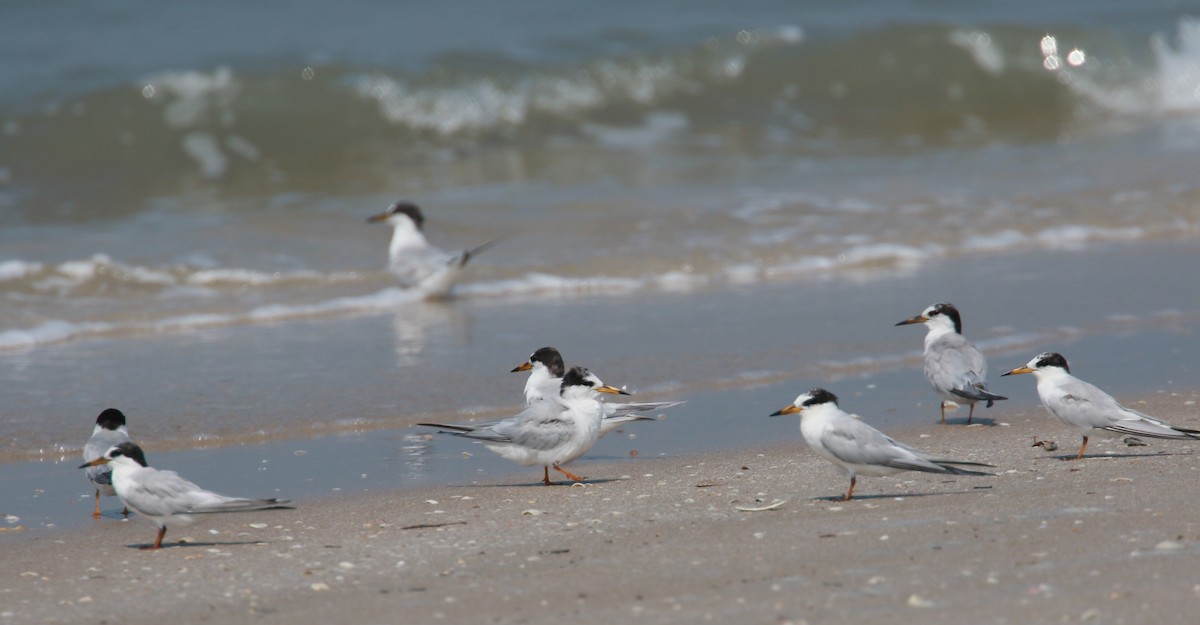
547,433
163,496
1088,409
108,431
857,448
415,262
545,379
953,366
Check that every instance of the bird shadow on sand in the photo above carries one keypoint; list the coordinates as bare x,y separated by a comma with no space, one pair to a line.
540,484
179,545
1073,457
982,421
860,497
115,515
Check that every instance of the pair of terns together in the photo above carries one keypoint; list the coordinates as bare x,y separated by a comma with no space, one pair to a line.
117,466
859,449
563,418
956,370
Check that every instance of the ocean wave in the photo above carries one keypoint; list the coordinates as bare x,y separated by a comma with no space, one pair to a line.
241,300
908,86
59,331
101,273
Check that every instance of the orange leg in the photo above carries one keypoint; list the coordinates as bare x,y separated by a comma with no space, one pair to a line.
1082,448
96,514
546,476
570,476
850,493
162,531
943,413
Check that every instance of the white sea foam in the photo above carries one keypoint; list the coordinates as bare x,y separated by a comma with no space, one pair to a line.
55,331
1074,236
17,269
192,98
550,284
981,48
203,148
890,253
473,104
658,128
995,241
1172,88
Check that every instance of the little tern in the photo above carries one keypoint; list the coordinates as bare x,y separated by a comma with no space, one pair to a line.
415,262
547,433
108,431
163,496
1087,408
545,379
857,448
954,368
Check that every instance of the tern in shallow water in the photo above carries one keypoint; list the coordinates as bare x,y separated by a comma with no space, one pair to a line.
163,496
857,448
547,433
953,366
415,262
1088,409
545,379
108,431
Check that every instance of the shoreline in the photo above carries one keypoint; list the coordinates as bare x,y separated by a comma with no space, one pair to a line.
661,540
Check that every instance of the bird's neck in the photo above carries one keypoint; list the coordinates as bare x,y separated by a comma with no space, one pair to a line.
1051,376
937,331
405,237
821,412
539,378
124,467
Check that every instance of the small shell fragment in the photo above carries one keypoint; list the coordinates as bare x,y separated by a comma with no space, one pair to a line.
774,505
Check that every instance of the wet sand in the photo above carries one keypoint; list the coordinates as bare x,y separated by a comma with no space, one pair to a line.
1110,539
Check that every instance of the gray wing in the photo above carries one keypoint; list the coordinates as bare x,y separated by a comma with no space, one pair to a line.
954,363
855,442
621,410
544,425
1086,406
101,441
416,265
163,493
95,447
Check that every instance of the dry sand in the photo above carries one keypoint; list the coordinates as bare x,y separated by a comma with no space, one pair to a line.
1114,538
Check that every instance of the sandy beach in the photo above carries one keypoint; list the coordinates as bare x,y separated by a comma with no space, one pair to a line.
724,205
1110,539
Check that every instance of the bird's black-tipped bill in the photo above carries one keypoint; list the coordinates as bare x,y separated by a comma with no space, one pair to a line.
788,409
612,390
95,463
377,218
525,366
1018,371
912,320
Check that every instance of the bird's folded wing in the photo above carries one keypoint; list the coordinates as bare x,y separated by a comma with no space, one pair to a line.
161,493
619,410
539,435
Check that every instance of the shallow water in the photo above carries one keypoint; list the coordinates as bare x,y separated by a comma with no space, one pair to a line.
231,407
726,205
154,181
